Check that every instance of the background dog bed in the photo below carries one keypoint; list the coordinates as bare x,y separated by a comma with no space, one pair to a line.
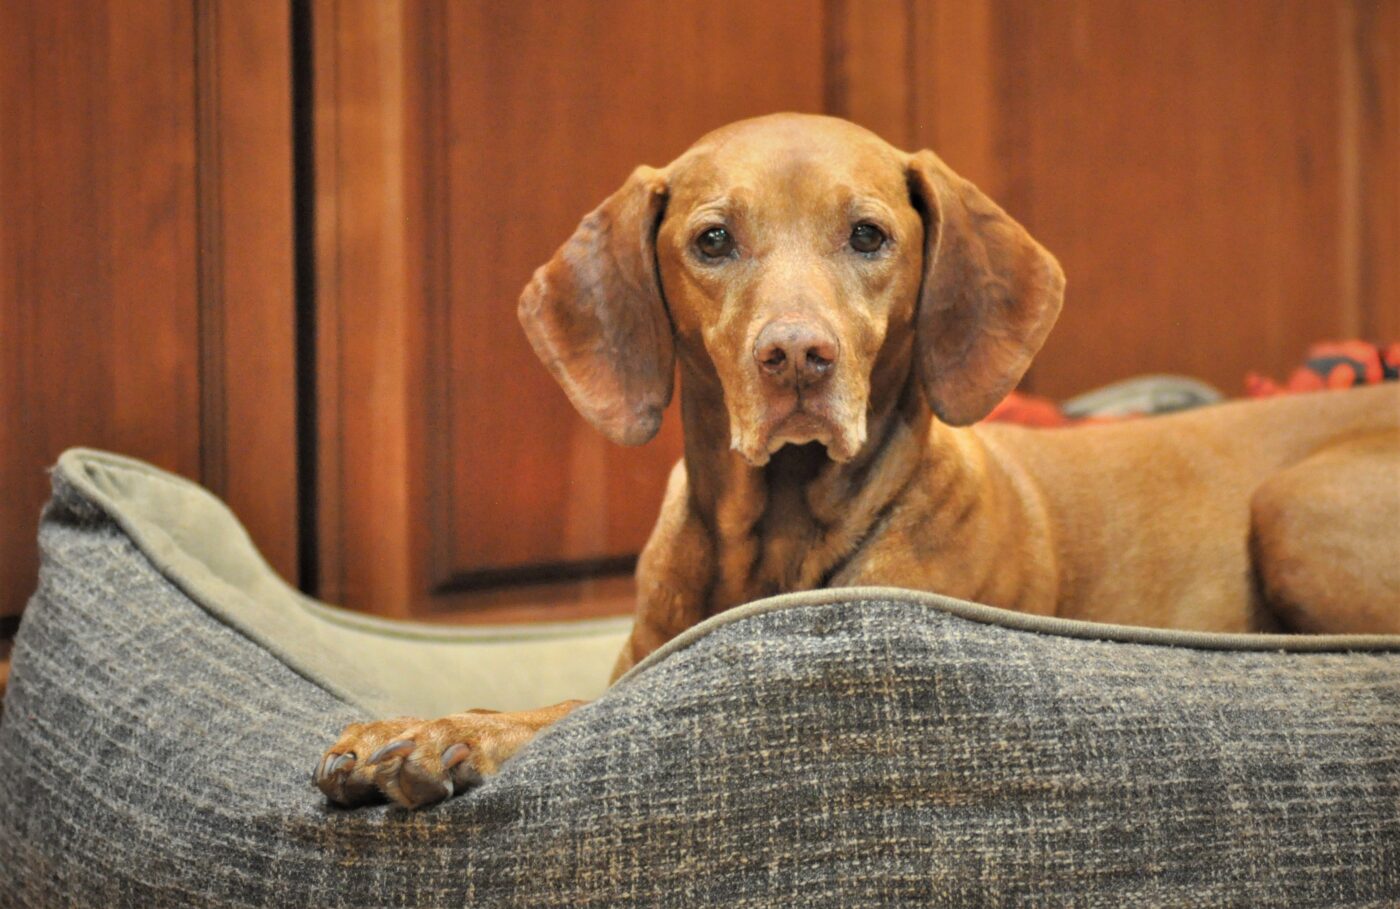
170,696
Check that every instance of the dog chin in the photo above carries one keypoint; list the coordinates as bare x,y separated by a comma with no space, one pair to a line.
801,428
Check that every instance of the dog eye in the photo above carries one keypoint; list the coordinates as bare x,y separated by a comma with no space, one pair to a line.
867,238
715,243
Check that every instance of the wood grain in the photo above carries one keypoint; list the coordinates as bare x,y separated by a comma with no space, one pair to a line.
1184,162
870,66
458,147
98,322
542,135
367,318
248,420
957,71
1213,154
1371,48
120,215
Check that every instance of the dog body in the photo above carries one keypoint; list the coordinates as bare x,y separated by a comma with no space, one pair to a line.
1155,522
840,313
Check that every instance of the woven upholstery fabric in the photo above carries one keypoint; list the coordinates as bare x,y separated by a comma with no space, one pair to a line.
872,750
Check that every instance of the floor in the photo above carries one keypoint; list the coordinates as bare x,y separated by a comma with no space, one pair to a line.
554,602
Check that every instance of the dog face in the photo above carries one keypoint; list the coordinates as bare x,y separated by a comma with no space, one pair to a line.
810,268
787,256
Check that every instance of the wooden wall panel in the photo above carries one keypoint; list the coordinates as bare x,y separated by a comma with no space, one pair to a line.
120,213
870,66
247,304
958,69
1187,163
97,277
1371,52
457,146
1190,187
364,310
538,134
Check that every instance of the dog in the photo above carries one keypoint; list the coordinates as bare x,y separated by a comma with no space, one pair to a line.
841,313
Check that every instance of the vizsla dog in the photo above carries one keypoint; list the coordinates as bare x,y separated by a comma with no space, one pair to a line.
841,313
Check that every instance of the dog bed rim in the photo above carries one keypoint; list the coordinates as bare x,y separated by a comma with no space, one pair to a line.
72,464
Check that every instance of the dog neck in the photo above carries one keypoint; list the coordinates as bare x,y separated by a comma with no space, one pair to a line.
793,523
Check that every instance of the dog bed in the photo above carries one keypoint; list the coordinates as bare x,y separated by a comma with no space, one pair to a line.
170,696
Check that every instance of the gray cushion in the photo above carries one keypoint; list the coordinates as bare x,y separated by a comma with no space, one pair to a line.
838,748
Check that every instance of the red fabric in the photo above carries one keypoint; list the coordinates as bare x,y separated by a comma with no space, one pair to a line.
1029,410
1333,364
1329,364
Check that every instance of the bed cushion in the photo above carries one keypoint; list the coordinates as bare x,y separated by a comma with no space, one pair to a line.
169,697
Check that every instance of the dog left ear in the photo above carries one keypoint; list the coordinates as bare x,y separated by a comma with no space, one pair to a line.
990,295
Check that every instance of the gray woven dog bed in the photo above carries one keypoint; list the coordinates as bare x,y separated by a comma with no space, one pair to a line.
169,698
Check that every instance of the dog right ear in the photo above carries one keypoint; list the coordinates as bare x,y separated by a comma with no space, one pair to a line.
595,314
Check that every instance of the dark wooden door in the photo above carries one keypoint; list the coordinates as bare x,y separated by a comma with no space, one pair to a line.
146,300
460,144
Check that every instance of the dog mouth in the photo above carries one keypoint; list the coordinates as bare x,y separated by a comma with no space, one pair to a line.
800,423
799,428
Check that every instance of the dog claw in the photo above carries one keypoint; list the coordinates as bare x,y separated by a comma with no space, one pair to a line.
330,763
398,748
418,786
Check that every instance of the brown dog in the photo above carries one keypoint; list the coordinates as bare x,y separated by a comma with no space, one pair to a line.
838,308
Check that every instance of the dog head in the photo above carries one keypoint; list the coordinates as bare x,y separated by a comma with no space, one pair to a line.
810,268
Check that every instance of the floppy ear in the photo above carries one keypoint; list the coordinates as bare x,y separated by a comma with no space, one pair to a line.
990,295
594,314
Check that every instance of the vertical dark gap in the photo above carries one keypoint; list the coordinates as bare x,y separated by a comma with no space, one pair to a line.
304,193
209,254
912,114
835,78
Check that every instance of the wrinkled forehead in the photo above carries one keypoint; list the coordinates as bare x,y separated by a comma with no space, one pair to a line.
775,167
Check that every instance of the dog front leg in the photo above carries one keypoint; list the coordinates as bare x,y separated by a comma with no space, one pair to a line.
675,575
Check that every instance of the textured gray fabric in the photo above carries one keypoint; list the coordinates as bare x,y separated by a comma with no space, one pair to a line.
872,750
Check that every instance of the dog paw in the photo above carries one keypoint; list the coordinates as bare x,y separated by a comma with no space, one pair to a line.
413,762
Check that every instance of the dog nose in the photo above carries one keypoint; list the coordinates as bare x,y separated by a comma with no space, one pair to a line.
798,349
